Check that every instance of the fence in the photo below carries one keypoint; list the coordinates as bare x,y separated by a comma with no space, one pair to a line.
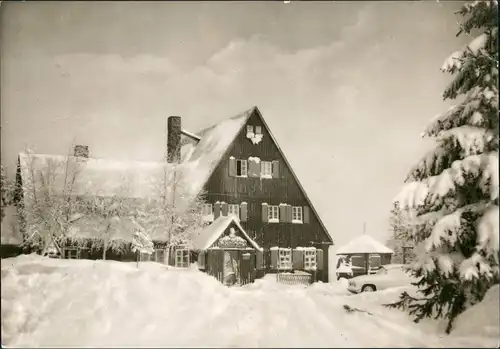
294,279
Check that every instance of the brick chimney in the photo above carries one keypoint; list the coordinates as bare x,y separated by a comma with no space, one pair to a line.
81,151
174,139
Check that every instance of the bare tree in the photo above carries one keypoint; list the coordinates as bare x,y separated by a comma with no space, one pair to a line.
108,218
47,197
174,212
401,225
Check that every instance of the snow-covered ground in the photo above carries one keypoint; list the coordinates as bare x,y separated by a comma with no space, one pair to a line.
48,303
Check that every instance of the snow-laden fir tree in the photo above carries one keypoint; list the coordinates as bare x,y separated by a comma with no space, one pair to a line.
454,188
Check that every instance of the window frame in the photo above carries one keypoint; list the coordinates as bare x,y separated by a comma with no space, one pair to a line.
205,211
295,219
229,210
269,173
286,255
271,209
181,261
71,253
241,162
310,259
250,129
258,130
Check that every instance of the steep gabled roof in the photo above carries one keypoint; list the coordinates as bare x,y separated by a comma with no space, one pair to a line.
363,244
207,236
215,142
203,158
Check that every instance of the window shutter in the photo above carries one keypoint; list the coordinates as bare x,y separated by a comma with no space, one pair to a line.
259,259
232,167
253,168
283,213
216,210
276,169
319,259
289,213
274,259
265,217
298,259
224,208
243,212
306,214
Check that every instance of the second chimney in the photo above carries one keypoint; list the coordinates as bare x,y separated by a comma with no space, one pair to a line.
81,151
174,139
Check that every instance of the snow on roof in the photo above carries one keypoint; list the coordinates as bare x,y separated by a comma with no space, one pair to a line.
105,177
208,235
363,244
215,140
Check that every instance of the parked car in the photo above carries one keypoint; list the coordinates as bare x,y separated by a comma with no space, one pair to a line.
390,275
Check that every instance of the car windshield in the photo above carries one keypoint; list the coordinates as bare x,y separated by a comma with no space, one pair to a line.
381,271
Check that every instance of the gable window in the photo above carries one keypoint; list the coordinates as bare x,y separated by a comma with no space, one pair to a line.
258,130
266,169
241,168
310,259
233,209
285,258
249,129
273,213
297,214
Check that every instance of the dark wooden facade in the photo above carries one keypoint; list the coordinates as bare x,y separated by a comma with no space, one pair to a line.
247,259
255,190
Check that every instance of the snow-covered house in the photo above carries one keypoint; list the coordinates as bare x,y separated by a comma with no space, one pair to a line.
243,172
365,253
239,169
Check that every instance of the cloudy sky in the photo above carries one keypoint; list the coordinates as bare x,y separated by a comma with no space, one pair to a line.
346,87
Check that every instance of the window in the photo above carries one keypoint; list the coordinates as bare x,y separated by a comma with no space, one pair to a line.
70,253
266,169
273,213
160,255
285,258
297,214
233,209
310,259
182,258
258,130
241,168
146,257
207,209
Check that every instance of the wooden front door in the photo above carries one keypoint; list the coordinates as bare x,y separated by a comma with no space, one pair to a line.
247,268
231,268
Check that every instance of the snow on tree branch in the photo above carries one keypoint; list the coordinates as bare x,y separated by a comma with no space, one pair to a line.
472,140
427,191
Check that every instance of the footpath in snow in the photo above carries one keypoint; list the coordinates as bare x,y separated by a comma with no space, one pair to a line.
47,303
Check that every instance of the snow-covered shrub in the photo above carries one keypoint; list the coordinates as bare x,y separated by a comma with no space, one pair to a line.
454,188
